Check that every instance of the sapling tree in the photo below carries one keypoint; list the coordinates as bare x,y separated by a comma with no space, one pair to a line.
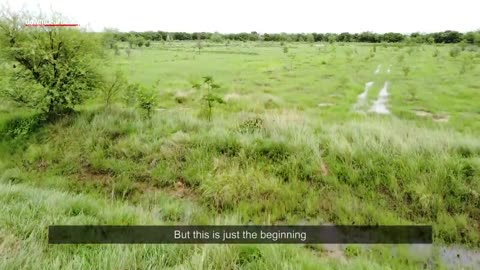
116,49
147,100
406,71
292,57
199,45
412,92
112,87
209,97
131,42
130,94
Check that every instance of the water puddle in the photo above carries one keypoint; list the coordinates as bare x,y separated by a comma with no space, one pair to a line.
389,69
458,257
362,98
378,69
380,105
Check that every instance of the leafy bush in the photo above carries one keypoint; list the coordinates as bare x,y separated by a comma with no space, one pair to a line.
147,100
22,127
130,94
59,64
112,87
455,51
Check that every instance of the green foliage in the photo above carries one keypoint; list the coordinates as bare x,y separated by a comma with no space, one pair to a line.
109,39
209,97
59,64
216,38
251,125
147,43
310,38
455,51
147,100
406,70
199,46
112,87
265,164
130,94
116,49
22,127
467,63
140,42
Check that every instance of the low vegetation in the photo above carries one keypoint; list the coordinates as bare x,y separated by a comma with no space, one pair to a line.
196,132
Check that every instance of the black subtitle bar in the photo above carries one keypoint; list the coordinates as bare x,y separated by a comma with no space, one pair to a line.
321,234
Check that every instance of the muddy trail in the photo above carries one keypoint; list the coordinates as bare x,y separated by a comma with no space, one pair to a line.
378,106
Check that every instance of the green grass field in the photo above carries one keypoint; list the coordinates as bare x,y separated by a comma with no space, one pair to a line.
289,145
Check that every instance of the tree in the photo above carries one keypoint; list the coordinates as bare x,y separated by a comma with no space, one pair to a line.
57,66
393,37
147,100
344,37
139,41
199,45
447,37
131,41
109,39
310,38
116,49
112,87
216,37
210,98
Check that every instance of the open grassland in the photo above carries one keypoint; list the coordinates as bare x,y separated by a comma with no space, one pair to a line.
292,144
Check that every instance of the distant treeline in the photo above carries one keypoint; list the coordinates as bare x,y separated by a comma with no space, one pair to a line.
369,37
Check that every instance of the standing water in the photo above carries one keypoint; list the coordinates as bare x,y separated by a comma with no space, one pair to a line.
362,98
380,105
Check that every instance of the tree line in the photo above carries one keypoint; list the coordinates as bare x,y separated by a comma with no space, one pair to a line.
368,37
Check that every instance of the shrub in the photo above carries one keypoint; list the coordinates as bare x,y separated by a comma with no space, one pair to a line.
147,100
59,64
455,51
112,87
130,95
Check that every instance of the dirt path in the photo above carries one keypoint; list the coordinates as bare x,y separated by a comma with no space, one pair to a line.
380,105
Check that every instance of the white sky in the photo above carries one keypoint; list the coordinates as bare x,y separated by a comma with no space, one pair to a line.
272,16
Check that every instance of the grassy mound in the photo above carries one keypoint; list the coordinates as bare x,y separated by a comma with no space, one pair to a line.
275,167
